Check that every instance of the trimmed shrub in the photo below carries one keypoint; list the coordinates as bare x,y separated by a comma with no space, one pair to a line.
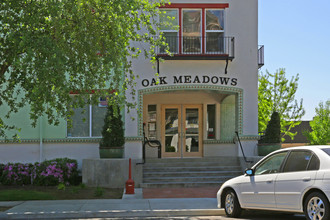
47,173
273,130
16,174
113,130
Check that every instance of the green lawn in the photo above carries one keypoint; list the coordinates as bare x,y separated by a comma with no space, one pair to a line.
24,193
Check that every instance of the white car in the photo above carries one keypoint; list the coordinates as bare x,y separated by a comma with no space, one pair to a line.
293,180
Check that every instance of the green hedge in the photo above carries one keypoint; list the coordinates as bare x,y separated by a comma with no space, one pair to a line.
47,173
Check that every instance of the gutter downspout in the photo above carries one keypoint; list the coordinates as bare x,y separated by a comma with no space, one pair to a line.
40,140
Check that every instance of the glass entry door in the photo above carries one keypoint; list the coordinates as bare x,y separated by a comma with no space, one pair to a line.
182,130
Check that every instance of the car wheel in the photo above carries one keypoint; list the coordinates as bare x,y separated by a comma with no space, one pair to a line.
232,206
316,207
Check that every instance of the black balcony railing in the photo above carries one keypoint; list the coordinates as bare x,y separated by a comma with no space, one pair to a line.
192,47
261,56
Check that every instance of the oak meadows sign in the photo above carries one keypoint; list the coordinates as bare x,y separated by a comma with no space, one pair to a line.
188,79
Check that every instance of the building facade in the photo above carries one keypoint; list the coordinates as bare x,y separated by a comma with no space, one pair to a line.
203,95
206,91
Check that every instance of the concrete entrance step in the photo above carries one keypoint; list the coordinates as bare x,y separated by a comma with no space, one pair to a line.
160,168
209,161
182,184
174,179
180,173
189,172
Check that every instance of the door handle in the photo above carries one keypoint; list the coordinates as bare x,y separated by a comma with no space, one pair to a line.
306,179
269,181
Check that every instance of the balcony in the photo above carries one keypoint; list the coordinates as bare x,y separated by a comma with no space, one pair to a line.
198,48
260,56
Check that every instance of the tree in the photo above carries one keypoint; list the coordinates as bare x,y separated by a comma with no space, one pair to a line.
49,48
320,125
273,131
277,94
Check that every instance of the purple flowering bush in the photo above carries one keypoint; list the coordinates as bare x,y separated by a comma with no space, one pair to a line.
15,174
47,173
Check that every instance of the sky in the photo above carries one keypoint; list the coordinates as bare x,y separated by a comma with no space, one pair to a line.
296,36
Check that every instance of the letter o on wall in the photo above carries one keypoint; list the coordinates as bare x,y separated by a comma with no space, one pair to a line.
145,82
214,80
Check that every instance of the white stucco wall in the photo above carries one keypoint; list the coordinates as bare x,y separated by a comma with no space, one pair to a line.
241,22
30,153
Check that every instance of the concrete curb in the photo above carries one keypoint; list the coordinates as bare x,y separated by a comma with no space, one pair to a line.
114,214
112,208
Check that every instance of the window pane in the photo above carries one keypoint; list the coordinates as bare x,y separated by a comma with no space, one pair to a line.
171,130
98,115
314,164
171,38
297,161
80,123
192,130
327,150
191,44
214,20
191,31
271,164
152,119
169,19
214,42
191,22
211,121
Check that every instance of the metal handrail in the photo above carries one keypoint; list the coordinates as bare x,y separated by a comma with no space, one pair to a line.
240,144
261,55
151,143
198,45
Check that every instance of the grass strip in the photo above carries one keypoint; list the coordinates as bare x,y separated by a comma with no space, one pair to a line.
24,195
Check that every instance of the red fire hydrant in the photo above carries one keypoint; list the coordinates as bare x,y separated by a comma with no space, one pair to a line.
130,182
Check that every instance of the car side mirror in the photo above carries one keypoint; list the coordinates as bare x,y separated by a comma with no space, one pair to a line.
249,172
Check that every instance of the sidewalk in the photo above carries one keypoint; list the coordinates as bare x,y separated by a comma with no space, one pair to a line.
129,206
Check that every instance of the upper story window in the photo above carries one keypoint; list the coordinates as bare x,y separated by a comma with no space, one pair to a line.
170,22
214,29
195,29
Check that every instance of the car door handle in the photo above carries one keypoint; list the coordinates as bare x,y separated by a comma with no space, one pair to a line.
306,179
269,181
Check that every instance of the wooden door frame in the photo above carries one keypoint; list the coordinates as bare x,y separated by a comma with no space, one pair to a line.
170,154
181,130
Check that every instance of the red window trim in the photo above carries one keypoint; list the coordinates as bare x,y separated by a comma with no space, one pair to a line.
201,6
203,30
180,31
182,5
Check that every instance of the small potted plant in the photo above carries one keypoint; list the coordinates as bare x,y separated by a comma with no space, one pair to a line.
271,141
113,139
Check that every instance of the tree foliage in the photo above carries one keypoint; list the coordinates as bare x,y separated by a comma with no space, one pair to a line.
49,48
276,93
320,134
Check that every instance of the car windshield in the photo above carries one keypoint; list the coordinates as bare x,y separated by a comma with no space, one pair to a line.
327,150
